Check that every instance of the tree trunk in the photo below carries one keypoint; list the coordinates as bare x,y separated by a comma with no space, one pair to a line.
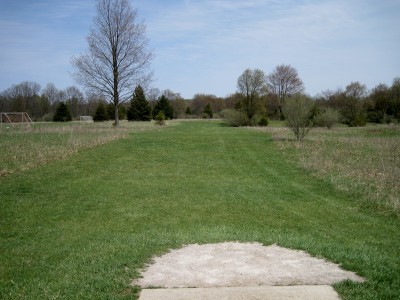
116,108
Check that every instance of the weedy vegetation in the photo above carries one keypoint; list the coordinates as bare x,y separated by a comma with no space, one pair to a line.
24,147
82,225
362,160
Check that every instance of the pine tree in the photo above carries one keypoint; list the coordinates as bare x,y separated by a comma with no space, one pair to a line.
62,113
139,109
164,106
101,113
111,112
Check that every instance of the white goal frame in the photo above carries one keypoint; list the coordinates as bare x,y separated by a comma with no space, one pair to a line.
85,119
15,118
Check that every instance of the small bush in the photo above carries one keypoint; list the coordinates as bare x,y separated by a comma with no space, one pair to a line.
298,111
359,121
327,118
263,122
48,117
160,118
235,118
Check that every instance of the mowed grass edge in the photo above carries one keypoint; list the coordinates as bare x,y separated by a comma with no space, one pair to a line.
83,227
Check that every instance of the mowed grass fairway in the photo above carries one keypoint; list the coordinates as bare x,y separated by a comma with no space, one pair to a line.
82,227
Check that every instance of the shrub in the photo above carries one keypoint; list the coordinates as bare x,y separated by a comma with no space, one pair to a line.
298,114
327,118
360,120
160,118
263,122
48,117
235,118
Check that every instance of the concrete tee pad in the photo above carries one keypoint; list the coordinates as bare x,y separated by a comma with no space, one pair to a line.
308,292
234,268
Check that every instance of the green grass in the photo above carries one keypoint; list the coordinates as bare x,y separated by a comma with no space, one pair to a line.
82,227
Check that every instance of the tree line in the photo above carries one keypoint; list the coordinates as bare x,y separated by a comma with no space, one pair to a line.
258,96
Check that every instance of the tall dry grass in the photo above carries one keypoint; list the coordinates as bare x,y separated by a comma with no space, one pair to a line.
27,147
363,160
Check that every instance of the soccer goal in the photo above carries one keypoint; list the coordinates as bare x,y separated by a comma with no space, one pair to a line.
15,118
86,119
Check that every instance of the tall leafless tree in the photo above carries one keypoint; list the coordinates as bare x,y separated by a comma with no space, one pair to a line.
119,57
251,85
284,81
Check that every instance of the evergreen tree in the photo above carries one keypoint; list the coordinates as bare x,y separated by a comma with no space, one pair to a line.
139,109
208,111
188,111
101,113
164,106
62,113
111,112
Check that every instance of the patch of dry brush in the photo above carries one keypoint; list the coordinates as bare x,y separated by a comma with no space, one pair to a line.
27,147
365,160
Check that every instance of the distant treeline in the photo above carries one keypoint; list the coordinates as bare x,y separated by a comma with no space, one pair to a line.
355,104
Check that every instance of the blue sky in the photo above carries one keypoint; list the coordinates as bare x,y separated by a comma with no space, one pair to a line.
202,46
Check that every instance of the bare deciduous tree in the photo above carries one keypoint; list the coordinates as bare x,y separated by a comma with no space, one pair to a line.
251,85
284,81
53,94
74,99
119,57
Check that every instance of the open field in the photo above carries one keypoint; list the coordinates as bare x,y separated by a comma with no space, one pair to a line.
82,227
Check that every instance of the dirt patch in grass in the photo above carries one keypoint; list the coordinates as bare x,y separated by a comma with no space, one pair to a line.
234,264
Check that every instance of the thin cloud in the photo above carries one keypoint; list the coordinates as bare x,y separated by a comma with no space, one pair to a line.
204,45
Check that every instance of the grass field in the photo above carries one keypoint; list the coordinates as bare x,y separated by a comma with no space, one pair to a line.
82,227
27,147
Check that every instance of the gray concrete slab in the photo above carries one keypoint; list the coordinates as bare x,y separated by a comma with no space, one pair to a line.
300,292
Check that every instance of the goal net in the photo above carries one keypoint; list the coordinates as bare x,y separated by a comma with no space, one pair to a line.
15,118
85,119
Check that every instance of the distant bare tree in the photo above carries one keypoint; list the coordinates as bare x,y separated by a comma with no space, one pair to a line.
284,81
251,85
118,58
74,99
24,97
53,94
